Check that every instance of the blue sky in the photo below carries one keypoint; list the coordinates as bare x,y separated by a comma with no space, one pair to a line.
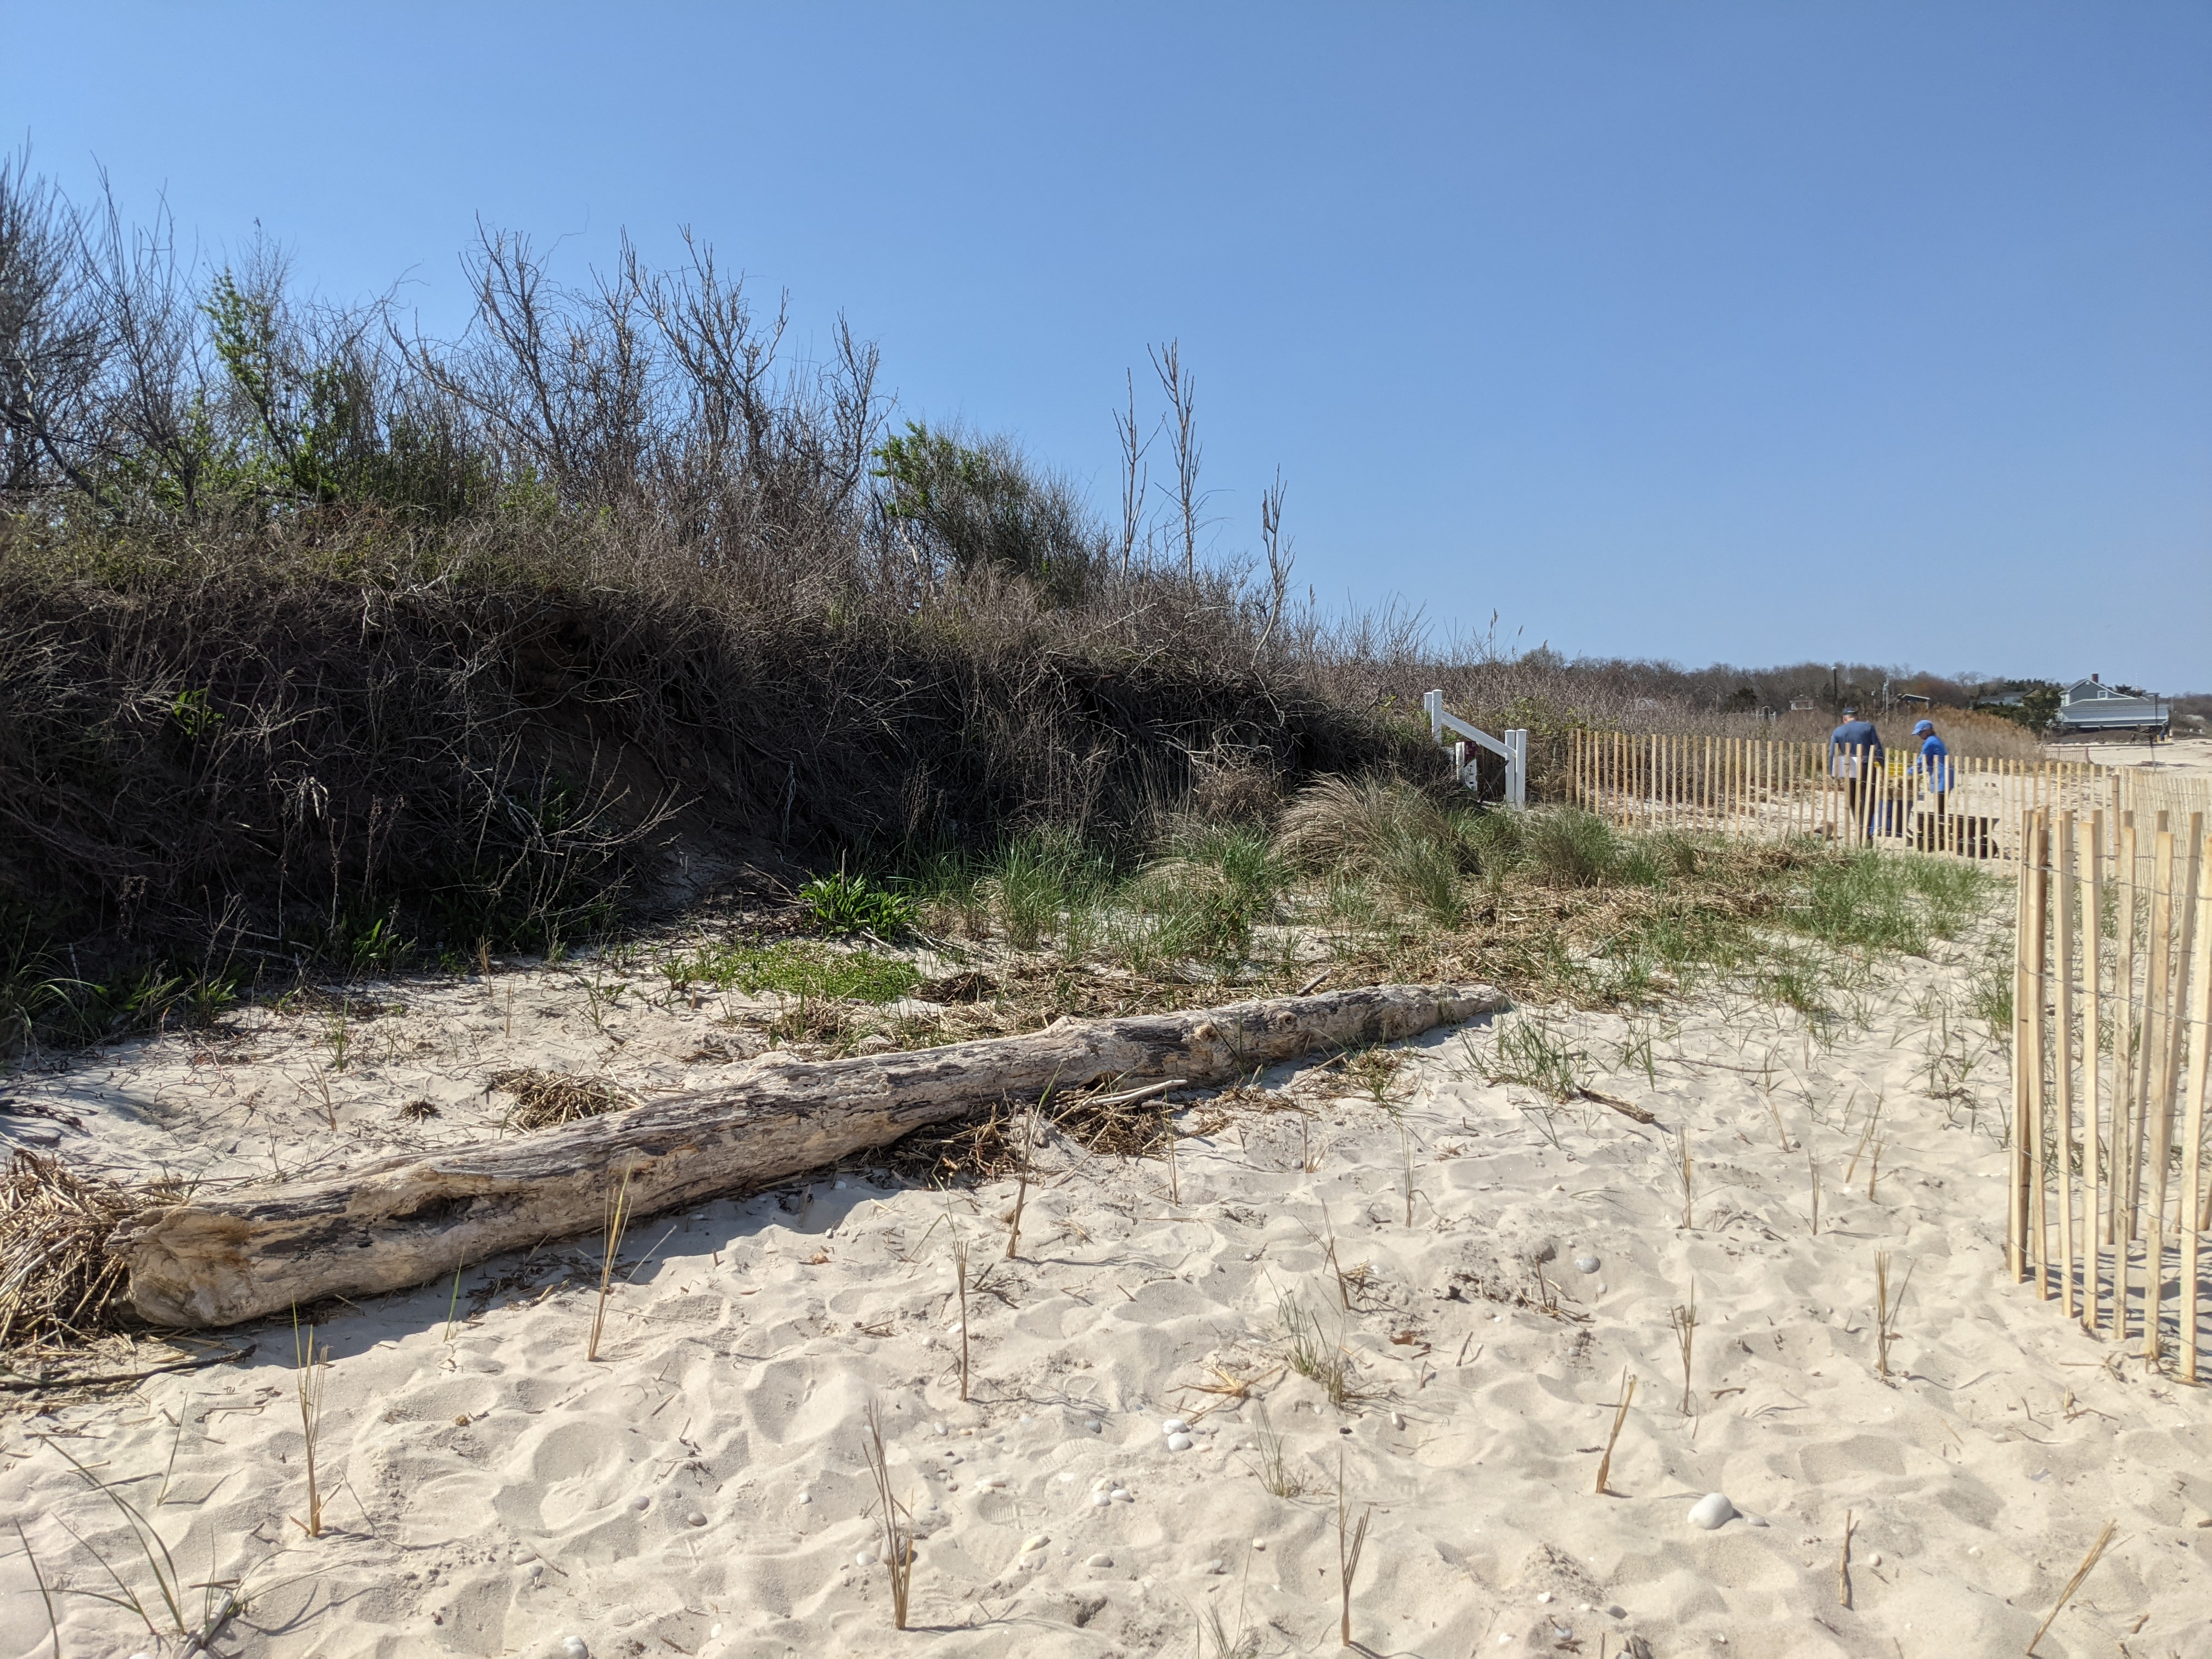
1755,332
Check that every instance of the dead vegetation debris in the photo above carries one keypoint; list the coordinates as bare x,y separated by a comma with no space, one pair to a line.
544,1100
59,1282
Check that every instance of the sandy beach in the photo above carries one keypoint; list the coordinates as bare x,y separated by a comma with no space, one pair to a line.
1467,1269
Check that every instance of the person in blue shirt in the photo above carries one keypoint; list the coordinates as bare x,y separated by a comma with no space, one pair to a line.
1854,751
1935,763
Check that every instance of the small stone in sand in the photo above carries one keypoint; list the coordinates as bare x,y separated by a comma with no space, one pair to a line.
865,1558
1175,1426
1100,1560
1711,1511
1104,1499
1032,1545
572,1647
1121,1495
695,1519
640,1504
1585,1264
1096,1426
1216,1565
1179,1442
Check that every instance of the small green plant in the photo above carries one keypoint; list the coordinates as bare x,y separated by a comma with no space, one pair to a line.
311,1375
1272,1461
1350,1540
602,996
1530,1054
195,716
842,903
1309,1352
1217,1639
337,1034
220,1598
1569,848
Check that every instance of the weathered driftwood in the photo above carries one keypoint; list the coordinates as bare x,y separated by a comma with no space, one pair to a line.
409,1220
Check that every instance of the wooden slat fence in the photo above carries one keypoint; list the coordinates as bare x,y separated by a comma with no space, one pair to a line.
2109,1199
1773,788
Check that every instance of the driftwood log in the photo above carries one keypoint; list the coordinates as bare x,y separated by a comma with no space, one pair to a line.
409,1220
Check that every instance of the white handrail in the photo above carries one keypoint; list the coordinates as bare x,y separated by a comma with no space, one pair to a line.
1513,748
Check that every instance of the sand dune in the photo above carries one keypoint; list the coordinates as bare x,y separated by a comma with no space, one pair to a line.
701,1489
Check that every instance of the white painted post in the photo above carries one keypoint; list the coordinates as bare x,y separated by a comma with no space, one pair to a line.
1432,704
1517,770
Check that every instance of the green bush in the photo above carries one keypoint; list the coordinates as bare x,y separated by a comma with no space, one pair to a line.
839,903
1569,848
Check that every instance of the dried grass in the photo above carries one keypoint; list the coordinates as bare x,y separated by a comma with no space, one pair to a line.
545,1099
58,1281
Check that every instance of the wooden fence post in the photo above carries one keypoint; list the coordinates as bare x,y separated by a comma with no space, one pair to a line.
2097,1209
2192,1135
2157,1100
2063,993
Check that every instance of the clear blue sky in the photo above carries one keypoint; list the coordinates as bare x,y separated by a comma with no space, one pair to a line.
1753,331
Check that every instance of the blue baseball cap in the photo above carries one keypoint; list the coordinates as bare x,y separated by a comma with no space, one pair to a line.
1925,726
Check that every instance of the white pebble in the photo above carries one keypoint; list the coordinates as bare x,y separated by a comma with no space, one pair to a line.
712,1631
572,1647
937,1427
1104,1499
806,1498
1259,1543
1216,1565
640,1504
1179,1442
1586,1264
1711,1511
1546,1597
535,1569
1175,1426
839,1187
1874,1560
1121,1495
1100,1560
695,1519
1601,1287
1030,1546
865,1558
1096,1426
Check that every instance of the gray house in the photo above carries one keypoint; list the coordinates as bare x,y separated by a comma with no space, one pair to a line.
2090,706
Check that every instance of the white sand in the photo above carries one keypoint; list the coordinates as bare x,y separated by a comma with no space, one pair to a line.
700,1489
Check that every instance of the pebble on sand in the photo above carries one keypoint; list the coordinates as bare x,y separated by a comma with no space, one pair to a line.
1179,1442
1175,1426
1711,1511
1586,1264
572,1647
1099,1560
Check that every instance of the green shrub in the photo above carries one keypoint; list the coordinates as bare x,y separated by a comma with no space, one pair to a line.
839,903
1569,848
